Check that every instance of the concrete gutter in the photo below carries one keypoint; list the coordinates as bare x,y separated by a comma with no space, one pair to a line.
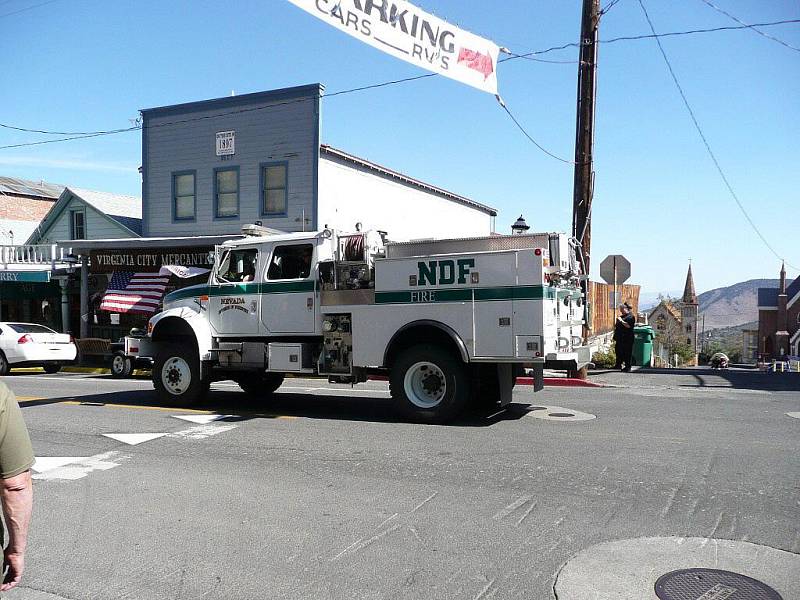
548,381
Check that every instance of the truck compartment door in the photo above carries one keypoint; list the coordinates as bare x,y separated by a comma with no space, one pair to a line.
494,334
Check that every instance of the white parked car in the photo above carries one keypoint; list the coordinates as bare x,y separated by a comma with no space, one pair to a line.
31,345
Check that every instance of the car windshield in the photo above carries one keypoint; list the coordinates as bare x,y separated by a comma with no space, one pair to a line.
29,328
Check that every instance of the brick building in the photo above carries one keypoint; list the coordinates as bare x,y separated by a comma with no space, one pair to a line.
779,319
23,204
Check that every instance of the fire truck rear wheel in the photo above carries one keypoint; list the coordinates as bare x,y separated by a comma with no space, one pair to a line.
176,376
260,385
429,384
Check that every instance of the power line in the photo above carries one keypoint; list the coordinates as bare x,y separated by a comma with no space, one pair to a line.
25,129
608,7
530,138
21,10
628,38
77,135
753,27
533,55
513,55
703,137
529,56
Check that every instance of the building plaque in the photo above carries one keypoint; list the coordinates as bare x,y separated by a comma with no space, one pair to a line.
226,143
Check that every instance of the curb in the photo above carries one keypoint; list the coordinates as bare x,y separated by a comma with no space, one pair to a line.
84,370
561,382
551,381
96,370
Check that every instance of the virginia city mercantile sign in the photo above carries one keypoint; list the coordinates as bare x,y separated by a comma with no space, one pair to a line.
151,260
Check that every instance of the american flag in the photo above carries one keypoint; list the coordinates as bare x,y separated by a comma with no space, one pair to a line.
138,293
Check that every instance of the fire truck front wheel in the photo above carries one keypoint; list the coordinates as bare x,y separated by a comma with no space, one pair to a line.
176,375
429,384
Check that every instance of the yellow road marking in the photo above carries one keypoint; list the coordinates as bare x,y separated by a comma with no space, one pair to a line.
25,399
139,406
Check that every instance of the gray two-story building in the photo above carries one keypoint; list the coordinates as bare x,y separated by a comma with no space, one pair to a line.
210,167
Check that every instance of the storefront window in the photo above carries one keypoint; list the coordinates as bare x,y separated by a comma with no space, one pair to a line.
273,189
183,192
226,192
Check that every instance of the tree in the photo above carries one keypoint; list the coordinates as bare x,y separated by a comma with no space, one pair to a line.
684,352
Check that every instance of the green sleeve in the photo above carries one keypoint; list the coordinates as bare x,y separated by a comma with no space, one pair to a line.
16,452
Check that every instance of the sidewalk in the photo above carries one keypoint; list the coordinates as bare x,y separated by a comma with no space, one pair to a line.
698,377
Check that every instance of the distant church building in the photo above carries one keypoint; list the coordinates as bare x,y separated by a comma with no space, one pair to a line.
676,321
779,319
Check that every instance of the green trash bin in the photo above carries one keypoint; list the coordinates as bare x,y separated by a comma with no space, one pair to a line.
643,345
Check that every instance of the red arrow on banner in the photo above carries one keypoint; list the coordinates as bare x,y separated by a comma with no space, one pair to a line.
473,59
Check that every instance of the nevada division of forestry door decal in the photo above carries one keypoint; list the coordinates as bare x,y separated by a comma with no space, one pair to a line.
401,29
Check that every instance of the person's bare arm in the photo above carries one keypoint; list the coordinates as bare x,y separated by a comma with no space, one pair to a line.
17,496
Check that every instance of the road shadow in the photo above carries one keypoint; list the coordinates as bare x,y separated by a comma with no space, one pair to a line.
702,377
376,409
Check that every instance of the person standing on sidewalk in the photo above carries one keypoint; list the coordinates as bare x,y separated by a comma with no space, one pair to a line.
16,488
623,337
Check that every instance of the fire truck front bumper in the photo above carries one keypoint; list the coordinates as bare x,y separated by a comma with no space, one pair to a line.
577,358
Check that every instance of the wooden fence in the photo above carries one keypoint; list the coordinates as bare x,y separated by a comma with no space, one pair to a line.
602,309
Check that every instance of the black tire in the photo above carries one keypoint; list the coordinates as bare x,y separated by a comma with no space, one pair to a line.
4,366
121,365
440,378
50,369
179,366
260,385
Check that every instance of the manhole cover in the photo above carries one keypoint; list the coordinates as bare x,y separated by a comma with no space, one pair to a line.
712,584
561,415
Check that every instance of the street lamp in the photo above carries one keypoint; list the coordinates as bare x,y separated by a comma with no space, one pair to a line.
519,227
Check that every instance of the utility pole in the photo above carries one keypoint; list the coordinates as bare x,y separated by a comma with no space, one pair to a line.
584,143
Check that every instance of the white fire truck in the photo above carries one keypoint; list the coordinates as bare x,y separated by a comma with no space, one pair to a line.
448,321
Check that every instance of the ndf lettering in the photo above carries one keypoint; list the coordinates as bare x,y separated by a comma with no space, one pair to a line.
444,272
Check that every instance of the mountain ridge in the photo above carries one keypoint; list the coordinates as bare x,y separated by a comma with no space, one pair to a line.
732,305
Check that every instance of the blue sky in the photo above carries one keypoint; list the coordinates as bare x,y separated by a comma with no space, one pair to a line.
88,65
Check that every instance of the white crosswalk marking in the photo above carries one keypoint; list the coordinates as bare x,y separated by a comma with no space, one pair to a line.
45,463
202,419
201,432
77,467
133,438
82,466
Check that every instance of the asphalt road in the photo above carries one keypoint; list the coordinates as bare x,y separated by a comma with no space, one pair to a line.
320,493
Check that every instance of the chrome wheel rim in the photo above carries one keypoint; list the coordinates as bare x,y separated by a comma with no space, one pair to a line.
118,364
176,375
425,385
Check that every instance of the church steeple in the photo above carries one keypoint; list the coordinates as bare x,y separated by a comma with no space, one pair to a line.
689,293
783,278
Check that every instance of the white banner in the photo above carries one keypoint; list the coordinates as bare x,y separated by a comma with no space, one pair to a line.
183,272
401,29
